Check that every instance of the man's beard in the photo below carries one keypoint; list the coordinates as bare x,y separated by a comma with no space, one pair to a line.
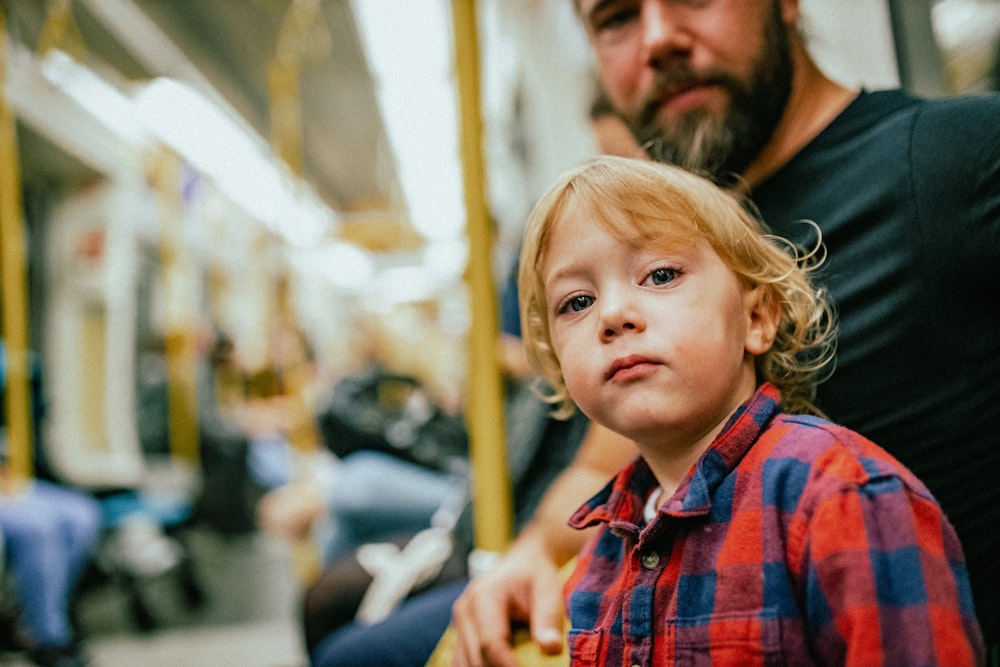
721,147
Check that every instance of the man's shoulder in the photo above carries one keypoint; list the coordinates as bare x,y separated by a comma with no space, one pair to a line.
886,127
872,109
942,116
975,117
974,103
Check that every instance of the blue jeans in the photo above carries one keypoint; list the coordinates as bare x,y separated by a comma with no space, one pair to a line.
406,638
375,496
49,534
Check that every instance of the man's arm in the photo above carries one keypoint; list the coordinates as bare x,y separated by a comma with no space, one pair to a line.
525,586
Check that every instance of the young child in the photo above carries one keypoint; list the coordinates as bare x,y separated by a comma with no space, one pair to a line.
747,532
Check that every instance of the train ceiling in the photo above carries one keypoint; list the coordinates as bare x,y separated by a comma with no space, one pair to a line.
229,45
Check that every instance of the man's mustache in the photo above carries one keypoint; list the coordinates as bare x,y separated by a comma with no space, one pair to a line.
674,79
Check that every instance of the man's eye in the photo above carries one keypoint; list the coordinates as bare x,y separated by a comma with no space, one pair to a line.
614,20
611,16
662,276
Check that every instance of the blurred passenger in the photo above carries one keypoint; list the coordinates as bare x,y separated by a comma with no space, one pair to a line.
378,431
611,130
365,497
50,534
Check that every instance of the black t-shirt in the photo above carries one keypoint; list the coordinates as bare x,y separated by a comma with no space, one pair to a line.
907,195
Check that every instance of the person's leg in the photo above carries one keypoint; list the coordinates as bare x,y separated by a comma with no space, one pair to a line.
49,534
374,496
332,601
408,637
79,517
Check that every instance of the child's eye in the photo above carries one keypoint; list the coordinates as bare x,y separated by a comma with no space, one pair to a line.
662,276
575,304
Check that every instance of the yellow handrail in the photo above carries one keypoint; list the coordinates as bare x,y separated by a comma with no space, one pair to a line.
180,328
14,325
491,482
302,38
60,31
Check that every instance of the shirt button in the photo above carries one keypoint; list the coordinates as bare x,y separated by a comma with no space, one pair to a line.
650,560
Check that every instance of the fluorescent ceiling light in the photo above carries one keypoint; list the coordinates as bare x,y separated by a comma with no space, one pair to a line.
102,100
408,46
239,164
344,265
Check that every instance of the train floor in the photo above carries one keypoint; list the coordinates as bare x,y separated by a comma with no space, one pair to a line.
248,615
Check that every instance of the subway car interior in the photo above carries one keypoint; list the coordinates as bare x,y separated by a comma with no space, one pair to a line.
245,240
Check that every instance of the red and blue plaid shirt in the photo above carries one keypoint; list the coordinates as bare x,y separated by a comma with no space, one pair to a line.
793,541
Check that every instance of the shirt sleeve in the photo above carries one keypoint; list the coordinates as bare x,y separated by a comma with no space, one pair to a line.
885,579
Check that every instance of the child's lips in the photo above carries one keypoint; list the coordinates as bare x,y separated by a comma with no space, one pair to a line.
629,367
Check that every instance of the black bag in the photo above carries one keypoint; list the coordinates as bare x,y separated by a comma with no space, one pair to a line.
393,414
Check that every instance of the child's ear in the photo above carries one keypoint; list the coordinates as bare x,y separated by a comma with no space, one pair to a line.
763,314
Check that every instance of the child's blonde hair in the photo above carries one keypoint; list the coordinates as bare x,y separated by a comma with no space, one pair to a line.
648,204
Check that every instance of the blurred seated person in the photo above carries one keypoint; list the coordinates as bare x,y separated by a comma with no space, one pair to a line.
50,534
381,431
345,503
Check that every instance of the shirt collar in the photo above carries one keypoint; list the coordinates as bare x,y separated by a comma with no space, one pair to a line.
620,503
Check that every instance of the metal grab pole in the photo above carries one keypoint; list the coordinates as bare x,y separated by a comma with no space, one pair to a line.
180,326
13,275
491,493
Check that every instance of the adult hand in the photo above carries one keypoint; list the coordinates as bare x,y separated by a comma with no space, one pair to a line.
523,588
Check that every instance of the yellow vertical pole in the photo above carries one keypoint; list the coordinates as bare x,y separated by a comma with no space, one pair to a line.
302,36
284,85
283,79
491,484
14,304
179,325
286,120
61,32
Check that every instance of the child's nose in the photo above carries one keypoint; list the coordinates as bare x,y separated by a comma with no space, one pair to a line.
612,332
620,316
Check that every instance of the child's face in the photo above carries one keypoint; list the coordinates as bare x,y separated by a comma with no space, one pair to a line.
655,344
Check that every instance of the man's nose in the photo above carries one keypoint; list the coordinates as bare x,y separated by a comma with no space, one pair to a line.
665,33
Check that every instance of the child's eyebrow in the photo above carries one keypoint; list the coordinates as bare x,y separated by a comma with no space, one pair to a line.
554,279
564,271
